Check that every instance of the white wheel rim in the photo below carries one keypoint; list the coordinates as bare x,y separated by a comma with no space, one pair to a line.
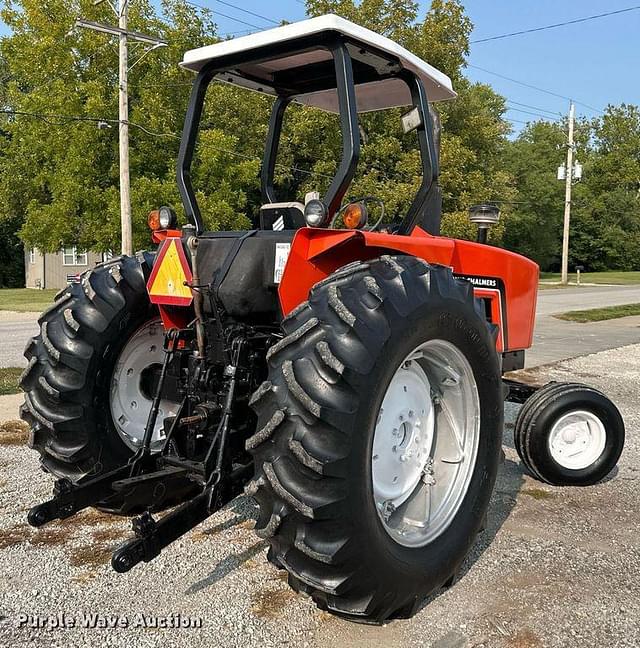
577,440
129,404
425,443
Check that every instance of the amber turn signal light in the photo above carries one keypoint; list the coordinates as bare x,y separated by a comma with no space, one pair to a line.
355,216
153,219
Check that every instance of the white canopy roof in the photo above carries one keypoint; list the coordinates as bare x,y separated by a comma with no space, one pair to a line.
377,95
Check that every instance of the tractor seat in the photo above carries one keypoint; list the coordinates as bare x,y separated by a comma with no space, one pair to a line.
282,216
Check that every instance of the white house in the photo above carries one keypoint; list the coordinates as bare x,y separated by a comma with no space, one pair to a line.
56,270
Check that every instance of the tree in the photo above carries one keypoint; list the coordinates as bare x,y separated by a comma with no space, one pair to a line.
58,170
606,230
59,174
11,255
535,228
605,211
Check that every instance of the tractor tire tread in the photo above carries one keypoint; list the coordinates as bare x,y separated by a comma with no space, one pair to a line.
61,358
302,438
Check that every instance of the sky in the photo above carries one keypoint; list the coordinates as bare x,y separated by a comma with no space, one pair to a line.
595,63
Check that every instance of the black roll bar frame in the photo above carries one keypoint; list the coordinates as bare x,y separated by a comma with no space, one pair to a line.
340,49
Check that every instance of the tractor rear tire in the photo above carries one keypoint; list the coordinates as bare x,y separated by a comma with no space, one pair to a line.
318,417
71,361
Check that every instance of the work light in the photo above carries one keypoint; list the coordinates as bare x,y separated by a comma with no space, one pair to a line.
315,213
167,217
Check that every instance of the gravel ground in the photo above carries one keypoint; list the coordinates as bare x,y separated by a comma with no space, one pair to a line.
556,567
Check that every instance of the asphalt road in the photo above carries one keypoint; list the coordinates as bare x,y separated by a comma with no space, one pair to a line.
15,331
553,340
556,339
561,300
555,568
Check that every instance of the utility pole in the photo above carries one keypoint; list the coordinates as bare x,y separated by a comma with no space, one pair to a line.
121,11
123,130
567,199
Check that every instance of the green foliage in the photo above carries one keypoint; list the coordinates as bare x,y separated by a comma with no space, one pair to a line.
474,130
11,254
59,177
536,224
606,227
605,214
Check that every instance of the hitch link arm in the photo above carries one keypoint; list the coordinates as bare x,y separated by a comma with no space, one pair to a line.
152,536
69,498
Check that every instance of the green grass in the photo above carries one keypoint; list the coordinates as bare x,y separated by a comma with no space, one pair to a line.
599,314
9,380
610,277
25,300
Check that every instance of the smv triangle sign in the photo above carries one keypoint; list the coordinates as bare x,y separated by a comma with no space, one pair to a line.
170,272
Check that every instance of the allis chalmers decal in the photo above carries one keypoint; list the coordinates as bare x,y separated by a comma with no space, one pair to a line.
491,288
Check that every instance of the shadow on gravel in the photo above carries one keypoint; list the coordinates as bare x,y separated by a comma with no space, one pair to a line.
509,482
225,567
223,526
245,513
508,485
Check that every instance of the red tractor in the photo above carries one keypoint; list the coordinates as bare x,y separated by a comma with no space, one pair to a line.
346,375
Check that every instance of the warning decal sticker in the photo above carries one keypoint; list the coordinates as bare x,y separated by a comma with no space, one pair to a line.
282,254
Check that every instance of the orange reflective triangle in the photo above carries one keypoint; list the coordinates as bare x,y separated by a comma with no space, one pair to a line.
170,272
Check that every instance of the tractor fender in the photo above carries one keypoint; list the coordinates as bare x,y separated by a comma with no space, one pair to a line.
506,281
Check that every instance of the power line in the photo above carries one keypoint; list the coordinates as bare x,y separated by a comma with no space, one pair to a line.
524,105
560,24
251,13
51,118
526,85
57,119
529,112
219,13
238,20
532,87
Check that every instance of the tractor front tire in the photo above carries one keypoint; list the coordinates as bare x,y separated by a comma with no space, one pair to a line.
327,442
67,382
568,434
